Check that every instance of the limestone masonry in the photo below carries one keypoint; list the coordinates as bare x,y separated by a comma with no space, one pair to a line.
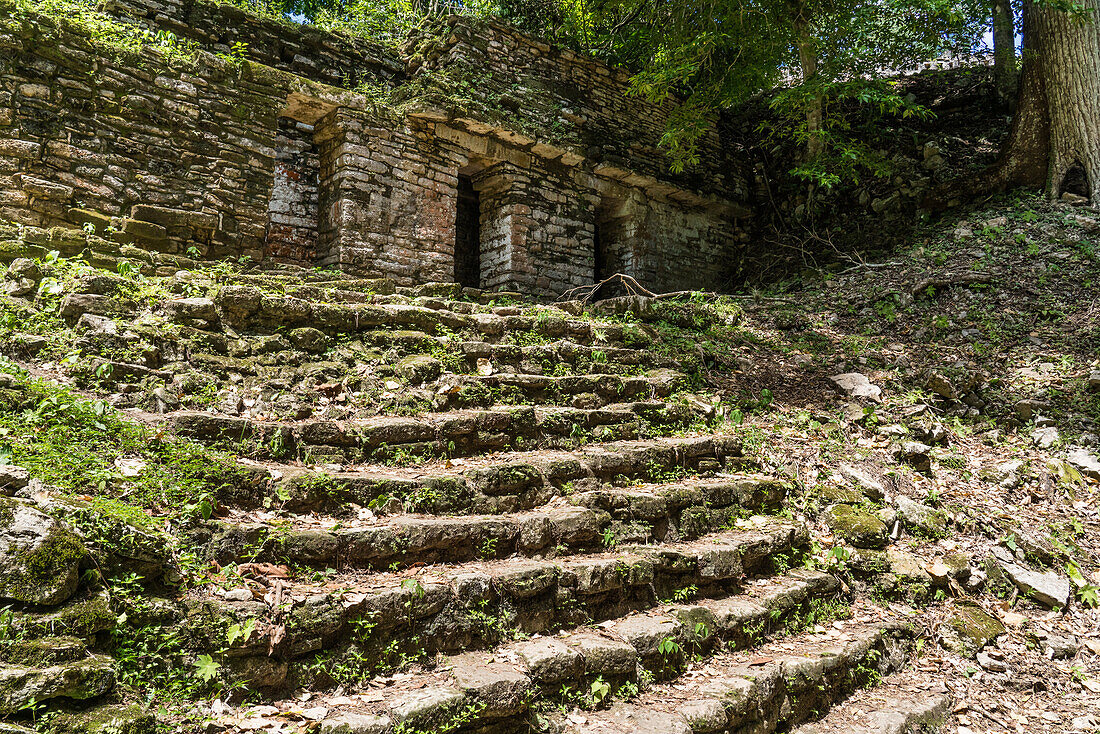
495,160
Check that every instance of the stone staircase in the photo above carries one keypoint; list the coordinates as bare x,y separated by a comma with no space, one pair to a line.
462,515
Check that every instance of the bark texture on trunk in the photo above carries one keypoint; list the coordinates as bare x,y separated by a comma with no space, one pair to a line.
1069,49
1004,51
1057,124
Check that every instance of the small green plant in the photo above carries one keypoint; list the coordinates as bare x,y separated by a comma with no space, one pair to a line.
668,647
599,690
627,691
686,593
1088,594
488,548
240,632
838,556
237,55
206,668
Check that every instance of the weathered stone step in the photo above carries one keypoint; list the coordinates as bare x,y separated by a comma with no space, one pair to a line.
476,605
561,351
248,307
43,651
489,687
771,688
510,482
642,639
458,433
604,388
903,703
266,355
664,513
86,678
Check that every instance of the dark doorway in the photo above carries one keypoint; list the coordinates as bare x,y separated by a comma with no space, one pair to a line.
468,234
600,254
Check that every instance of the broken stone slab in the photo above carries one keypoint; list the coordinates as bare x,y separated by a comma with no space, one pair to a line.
1045,438
990,663
419,368
646,634
351,723
309,339
1085,462
183,310
498,689
941,386
1048,588
900,712
920,516
915,454
75,305
80,617
871,488
40,558
969,628
168,217
550,661
425,709
605,656
705,715
1059,647
907,566
81,680
1006,474
856,526
107,719
101,325
12,479
857,385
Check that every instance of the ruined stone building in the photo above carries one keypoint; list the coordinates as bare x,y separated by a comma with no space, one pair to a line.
474,154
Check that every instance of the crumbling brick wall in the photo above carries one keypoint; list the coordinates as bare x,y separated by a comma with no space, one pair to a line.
303,50
167,157
572,101
219,158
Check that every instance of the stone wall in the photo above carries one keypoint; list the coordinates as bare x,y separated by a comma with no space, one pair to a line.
302,50
165,157
553,95
219,158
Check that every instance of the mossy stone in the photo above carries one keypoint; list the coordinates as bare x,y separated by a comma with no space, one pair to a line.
77,618
81,680
419,368
834,493
855,526
40,558
309,339
111,719
43,651
969,628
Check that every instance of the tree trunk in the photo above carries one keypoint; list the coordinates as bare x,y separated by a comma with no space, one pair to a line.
1004,51
807,59
1056,129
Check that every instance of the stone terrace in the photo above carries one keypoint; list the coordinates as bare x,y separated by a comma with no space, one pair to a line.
476,155
452,514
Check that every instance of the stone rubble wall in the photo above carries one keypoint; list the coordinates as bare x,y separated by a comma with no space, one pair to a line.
568,100
215,158
164,157
302,50
293,209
